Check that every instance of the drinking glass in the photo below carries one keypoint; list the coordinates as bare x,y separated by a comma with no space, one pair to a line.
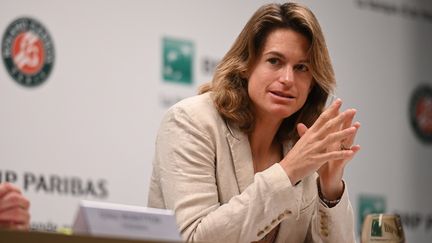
382,228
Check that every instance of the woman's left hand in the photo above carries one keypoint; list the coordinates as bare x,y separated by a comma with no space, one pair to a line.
331,173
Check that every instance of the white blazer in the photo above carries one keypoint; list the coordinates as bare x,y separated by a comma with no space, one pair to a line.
203,171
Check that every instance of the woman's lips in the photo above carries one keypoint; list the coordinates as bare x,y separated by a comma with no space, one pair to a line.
282,94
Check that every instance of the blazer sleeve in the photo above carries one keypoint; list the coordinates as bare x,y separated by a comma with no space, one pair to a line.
332,225
185,157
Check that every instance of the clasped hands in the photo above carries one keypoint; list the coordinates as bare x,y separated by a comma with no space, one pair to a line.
325,147
14,208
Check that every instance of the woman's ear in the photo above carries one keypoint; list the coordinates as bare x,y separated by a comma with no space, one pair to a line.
244,75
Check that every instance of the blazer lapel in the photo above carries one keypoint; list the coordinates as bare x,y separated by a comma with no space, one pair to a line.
241,156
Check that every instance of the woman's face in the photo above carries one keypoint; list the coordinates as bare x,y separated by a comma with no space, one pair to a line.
281,79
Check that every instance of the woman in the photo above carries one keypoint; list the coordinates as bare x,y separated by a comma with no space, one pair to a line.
14,208
252,158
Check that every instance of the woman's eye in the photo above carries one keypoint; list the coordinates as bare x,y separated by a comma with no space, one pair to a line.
273,61
301,68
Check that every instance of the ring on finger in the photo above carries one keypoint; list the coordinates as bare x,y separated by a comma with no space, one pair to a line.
342,147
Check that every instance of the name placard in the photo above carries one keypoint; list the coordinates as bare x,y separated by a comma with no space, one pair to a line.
125,221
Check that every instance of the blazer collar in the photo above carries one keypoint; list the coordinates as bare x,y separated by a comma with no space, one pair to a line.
241,156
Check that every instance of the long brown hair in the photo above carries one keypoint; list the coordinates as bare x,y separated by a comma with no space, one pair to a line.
229,84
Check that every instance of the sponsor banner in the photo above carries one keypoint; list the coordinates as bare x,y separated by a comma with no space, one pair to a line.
104,81
178,60
59,185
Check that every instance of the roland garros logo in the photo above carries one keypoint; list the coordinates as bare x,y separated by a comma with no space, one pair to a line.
421,112
28,52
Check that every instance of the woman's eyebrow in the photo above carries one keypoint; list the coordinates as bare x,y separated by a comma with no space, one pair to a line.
280,55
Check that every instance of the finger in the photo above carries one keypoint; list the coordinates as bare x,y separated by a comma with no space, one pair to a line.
14,200
347,123
301,129
15,215
337,137
14,226
350,140
335,155
355,150
19,226
349,118
7,188
328,114
334,124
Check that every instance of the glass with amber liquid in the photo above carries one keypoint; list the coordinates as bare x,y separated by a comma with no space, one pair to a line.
382,228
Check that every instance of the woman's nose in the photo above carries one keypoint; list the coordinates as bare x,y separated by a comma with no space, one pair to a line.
287,75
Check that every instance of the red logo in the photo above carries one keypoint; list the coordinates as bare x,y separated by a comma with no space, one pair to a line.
421,112
28,52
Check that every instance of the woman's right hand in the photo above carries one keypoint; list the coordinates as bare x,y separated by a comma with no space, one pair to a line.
320,143
14,208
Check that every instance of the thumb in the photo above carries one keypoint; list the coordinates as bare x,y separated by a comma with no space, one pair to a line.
301,129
